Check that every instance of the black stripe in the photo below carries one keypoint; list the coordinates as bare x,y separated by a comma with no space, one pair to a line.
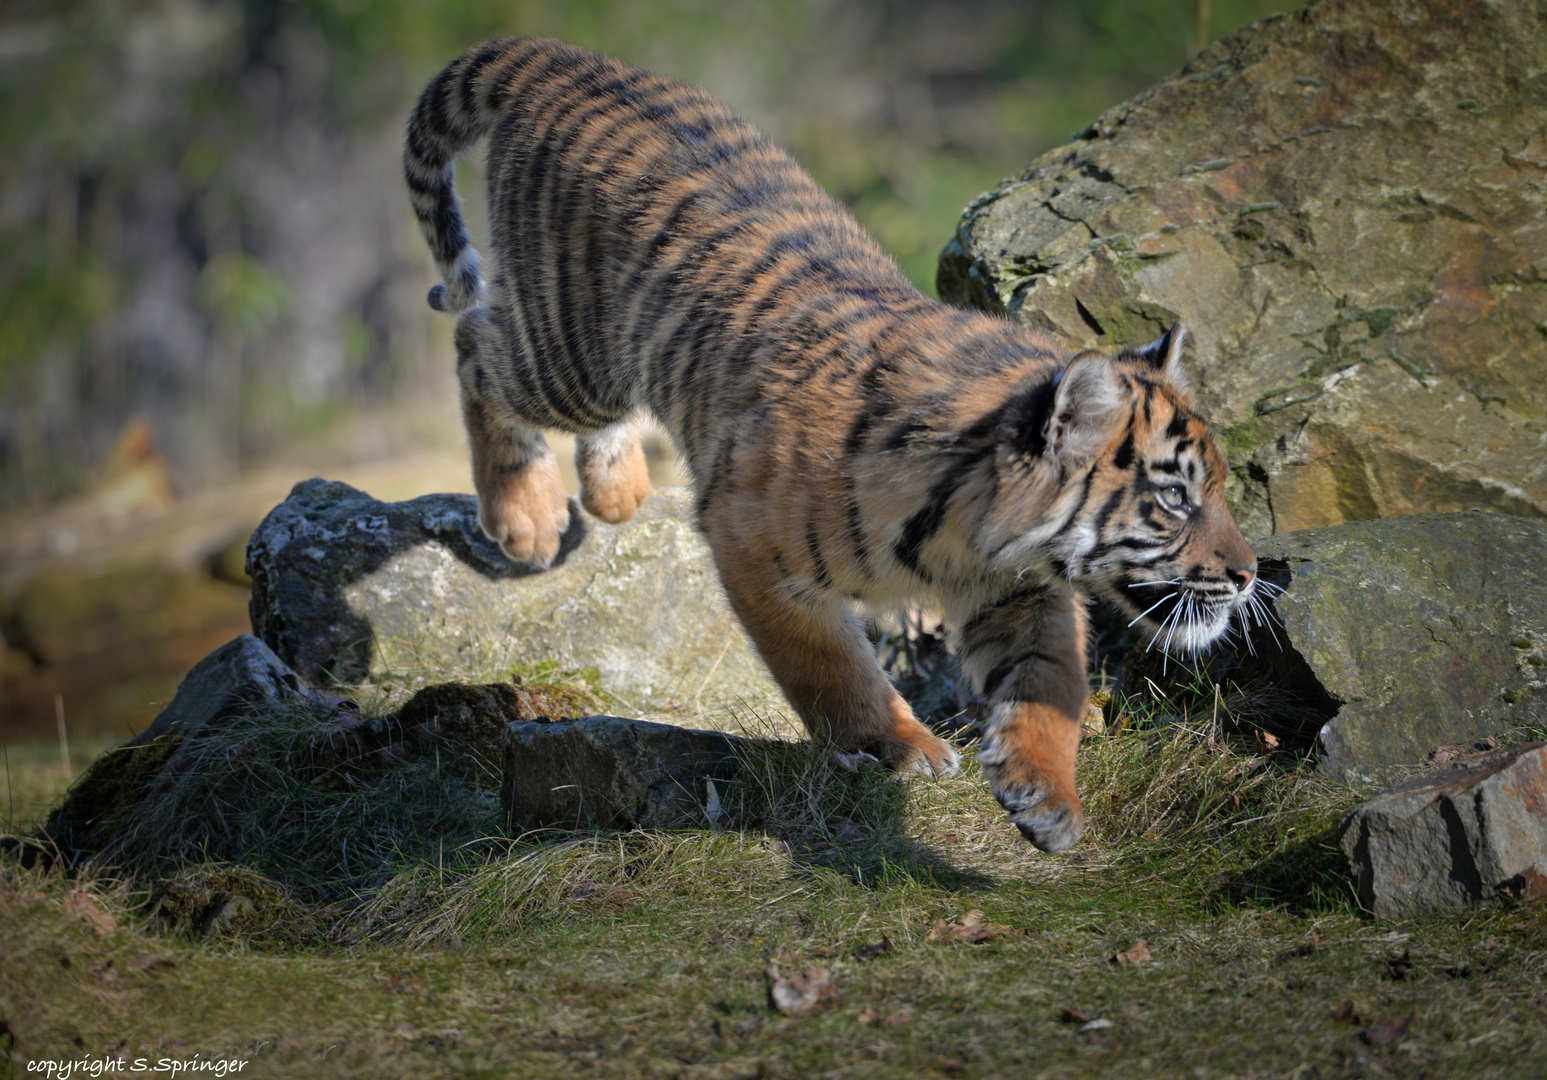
1002,671
814,545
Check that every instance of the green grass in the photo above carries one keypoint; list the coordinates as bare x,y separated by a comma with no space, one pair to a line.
642,953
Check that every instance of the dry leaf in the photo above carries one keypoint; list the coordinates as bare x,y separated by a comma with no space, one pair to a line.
1344,1013
1266,743
1070,1015
1138,954
1491,944
898,1019
150,962
953,1065
83,907
402,984
1387,1032
970,928
801,995
1397,966
870,1016
870,952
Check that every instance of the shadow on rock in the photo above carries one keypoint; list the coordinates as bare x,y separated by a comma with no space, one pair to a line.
327,536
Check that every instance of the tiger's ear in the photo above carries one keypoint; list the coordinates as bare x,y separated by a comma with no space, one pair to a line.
1165,356
1086,407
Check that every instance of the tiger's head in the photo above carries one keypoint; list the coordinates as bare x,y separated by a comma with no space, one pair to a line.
1132,491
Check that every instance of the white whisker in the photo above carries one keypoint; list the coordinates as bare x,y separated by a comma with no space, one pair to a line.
1153,606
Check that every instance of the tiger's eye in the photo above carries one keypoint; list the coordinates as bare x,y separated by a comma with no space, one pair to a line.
1174,497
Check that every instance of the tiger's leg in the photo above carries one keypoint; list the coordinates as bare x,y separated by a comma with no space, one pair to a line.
614,479
825,665
521,501
1026,656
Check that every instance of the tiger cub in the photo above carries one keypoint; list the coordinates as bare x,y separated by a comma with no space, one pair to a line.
849,439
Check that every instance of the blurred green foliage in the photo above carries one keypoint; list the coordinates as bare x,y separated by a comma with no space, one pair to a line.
128,131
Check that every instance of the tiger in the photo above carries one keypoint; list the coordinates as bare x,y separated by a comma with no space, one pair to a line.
852,443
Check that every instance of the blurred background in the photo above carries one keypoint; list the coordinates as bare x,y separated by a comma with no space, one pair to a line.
211,285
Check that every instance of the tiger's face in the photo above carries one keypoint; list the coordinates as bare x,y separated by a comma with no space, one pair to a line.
1138,516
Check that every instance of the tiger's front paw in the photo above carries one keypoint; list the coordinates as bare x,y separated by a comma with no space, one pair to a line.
1050,818
526,512
1028,757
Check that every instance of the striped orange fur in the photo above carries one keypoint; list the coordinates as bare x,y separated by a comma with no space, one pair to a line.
849,439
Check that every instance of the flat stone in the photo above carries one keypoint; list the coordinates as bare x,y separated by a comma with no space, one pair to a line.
1346,205
612,773
1460,834
346,587
1392,639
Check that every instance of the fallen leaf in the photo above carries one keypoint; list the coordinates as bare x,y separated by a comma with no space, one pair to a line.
402,984
82,906
1444,755
1490,944
898,1019
1387,1032
949,838
1344,1013
870,952
869,1016
801,995
1266,743
953,1065
1138,953
150,962
970,928
1522,927
1070,1015
105,975
1397,966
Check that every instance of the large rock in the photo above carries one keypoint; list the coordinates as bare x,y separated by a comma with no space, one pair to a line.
608,772
1394,638
345,586
1348,207
241,676
1454,836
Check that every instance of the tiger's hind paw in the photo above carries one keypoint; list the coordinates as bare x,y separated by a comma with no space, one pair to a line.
614,475
527,513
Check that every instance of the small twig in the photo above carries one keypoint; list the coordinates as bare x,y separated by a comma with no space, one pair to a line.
712,669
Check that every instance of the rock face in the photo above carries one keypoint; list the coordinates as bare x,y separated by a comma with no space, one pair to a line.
1348,207
1396,637
345,585
611,773
1454,836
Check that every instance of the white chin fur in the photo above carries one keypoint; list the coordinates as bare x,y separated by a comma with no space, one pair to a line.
1193,635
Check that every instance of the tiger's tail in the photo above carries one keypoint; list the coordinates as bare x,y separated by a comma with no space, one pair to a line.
458,108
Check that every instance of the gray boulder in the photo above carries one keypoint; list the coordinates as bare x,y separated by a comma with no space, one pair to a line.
346,586
1345,204
608,772
1454,836
1392,639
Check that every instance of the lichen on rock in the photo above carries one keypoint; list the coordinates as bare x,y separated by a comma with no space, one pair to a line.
1345,204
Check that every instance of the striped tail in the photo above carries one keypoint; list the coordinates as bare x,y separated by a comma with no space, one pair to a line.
455,111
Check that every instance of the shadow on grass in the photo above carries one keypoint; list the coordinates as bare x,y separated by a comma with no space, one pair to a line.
1309,877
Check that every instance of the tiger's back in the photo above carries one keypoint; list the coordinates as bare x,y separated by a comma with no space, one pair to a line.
849,438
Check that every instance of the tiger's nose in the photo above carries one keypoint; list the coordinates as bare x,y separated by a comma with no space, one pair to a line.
1242,576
